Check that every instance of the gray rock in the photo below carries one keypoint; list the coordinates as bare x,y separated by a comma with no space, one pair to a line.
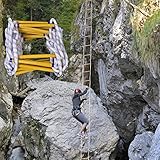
35,83
117,72
145,146
154,152
140,146
74,71
133,106
102,81
52,129
6,106
17,154
148,120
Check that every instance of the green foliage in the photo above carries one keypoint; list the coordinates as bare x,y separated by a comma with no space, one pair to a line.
148,38
68,10
29,9
42,10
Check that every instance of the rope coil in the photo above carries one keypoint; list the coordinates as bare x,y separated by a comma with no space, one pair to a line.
13,43
18,31
55,45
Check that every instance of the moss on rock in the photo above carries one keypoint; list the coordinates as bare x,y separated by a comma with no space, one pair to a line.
35,141
146,30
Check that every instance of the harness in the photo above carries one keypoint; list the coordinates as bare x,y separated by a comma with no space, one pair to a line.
76,111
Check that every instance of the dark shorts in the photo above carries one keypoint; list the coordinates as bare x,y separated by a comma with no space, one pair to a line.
81,118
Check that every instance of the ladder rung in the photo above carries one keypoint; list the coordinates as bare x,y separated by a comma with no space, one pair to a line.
84,158
88,36
88,17
86,26
86,71
86,64
85,55
88,9
87,45
87,80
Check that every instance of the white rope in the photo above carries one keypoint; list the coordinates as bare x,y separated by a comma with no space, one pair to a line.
55,45
13,44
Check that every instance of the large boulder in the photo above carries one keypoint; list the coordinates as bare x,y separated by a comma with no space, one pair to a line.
50,131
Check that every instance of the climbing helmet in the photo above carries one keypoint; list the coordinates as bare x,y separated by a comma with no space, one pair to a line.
77,91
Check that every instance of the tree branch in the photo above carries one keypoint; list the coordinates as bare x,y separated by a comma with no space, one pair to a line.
139,9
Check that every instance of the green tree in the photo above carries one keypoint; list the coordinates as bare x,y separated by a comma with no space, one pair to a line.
42,10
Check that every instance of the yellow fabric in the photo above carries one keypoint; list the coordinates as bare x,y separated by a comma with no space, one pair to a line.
30,30
31,62
22,72
37,56
33,36
32,22
33,67
27,63
35,25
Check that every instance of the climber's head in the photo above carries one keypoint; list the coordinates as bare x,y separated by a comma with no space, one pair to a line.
77,91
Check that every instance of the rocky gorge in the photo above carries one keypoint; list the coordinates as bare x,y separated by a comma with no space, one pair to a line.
35,118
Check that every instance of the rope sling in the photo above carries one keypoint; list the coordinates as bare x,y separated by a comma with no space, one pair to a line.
86,68
19,31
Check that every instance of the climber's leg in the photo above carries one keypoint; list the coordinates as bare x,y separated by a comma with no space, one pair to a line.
81,118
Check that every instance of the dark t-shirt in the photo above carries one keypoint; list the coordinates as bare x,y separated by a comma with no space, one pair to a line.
77,100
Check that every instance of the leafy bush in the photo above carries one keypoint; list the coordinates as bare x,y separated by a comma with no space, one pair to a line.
148,38
146,30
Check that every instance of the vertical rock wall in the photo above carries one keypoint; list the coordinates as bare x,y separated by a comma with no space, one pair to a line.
6,104
128,89
117,72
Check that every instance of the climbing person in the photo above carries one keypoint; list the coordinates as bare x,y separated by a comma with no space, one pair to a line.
76,111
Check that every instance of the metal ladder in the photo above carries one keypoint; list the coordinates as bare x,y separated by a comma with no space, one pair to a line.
87,64
87,44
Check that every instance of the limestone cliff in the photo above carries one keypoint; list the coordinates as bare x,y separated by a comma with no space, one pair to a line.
128,83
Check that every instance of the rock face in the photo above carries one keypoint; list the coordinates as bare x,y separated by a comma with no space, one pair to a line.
140,146
155,146
6,107
128,89
145,146
52,129
117,71
17,154
74,71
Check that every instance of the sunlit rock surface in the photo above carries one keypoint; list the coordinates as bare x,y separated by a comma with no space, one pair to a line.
50,131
